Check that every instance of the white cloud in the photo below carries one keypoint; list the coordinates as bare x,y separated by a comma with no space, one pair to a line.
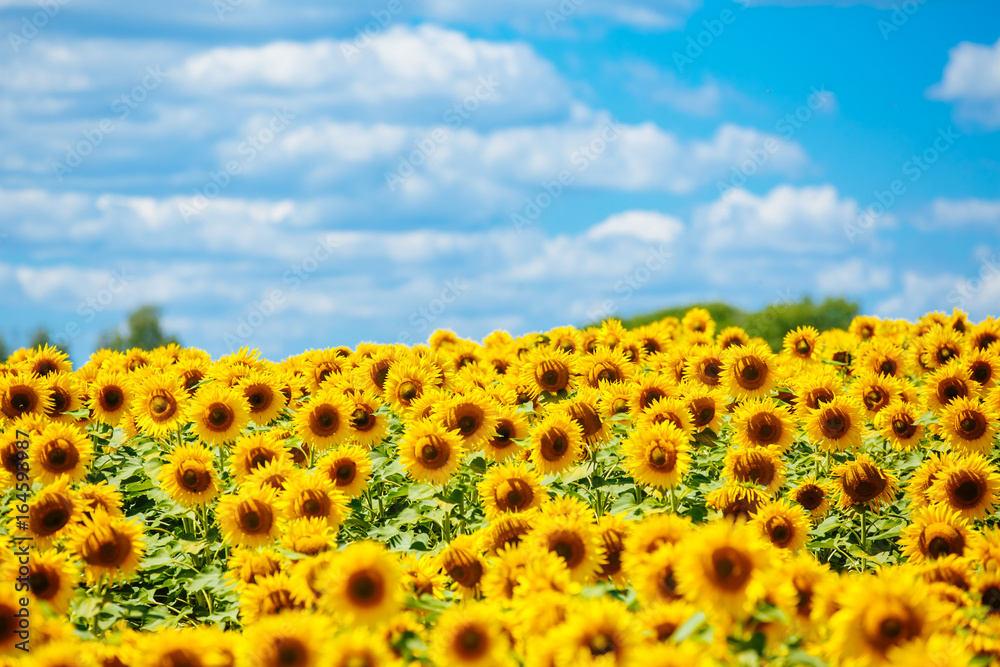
789,219
855,276
648,82
971,80
648,226
951,213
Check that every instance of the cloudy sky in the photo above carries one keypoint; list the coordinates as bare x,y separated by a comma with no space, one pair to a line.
320,174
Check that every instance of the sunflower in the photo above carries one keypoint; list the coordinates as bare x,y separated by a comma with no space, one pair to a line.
897,423
933,532
758,466
985,335
363,585
511,487
246,565
815,387
275,474
255,450
511,426
313,496
262,392
704,366
649,387
814,497
748,371
806,575
189,476
308,536
51,514
556,442
782,524
47,360
881,357
801,343
874,392
367,426
969,486
52,579
422,575
864,485
882,612
250,517
836,425
472,416
100,496
707,407
24,395
583,409
14,452
986,587
837,348
605,365
919,486
430,452
549,370
698,320
649,534
107,546
736,503
968,426
598,631
469,634
864,326
721,566
943,345
938,650
304,576
268,595
60,450
291,639
947,384
951,570
372,372
323,421
363,647
507,530
654,576
572,537
657,455
160,404
110,395
408,379
983,367
65,396
670,410
348,468
762,422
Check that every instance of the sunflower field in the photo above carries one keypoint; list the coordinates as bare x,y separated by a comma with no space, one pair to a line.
664,496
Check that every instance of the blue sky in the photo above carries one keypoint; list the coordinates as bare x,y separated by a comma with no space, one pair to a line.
290,177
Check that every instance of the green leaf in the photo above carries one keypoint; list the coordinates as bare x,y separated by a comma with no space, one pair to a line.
688,627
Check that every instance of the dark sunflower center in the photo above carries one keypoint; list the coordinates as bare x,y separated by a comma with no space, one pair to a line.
257,398
607,375
750,373
159,405
360,418
991,599
706,415
968,492
835,425
619,406
803,347
251,520
903,428
219,416
658,456
40,584
550,378
345,471
471,641
810,497
944,354
190,479
311,507
291,653
58,457
600,644
505,430
112,398
467,424
429,452
781,532
732,570
60,400
408,391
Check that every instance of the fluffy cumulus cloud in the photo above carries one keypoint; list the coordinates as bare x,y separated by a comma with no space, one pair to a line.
958,213
809,219
971,81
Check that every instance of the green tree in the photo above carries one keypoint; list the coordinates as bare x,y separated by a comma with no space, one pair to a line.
4,351
144,332
41,337
772,322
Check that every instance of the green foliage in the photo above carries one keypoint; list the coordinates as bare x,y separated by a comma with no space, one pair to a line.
771,323
4,351
41,338
144,332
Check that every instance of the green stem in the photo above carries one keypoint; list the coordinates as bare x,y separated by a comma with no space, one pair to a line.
673,500
864,532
